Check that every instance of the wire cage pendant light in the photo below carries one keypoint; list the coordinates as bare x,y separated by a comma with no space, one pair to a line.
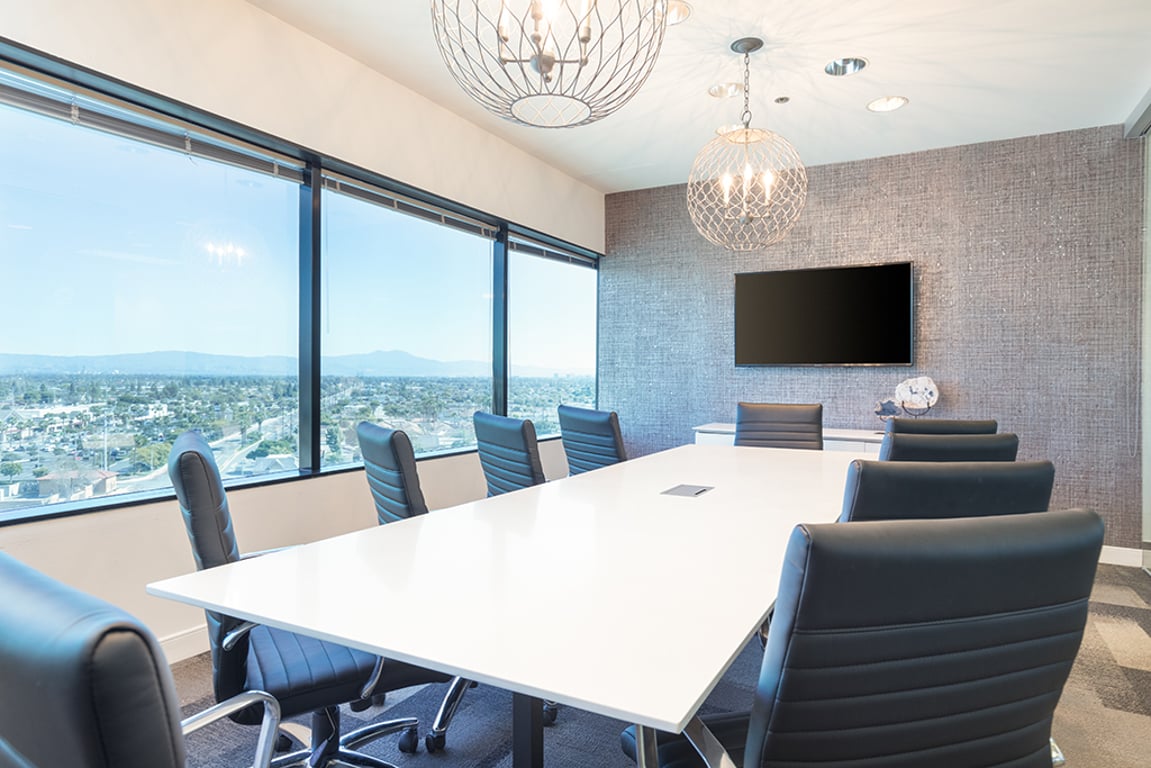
550,63
747,186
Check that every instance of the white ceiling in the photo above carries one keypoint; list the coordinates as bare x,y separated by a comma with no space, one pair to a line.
974,70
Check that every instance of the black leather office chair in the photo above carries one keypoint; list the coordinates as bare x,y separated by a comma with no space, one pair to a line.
390,466
942,426
897,446
591,438
10,758
509,453
899,490
304,674
510,457
949,645
774,425
908,490
902,490
85,685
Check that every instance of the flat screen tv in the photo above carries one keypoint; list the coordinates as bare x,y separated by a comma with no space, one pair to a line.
856,315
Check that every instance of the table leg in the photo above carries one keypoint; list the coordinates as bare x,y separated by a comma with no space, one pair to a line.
527,731
646,753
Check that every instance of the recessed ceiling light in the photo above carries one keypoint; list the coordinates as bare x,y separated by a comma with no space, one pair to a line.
841,67
725,90
677,12
887,103
782,99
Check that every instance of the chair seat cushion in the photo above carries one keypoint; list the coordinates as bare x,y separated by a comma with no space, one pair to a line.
675,751
306,674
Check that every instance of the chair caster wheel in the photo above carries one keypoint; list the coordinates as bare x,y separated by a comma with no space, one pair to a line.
434,742
283,743
550,712
409,742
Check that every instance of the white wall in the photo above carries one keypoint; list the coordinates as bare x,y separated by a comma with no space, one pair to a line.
114,553
235,60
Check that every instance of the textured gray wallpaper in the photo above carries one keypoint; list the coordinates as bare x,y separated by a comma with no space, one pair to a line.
1027,256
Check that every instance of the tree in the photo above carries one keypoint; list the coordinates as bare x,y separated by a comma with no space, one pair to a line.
333,439
151,455
10,469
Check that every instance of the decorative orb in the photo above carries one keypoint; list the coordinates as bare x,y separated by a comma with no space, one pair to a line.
550,63
746,189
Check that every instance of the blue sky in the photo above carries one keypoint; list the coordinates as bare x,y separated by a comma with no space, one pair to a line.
112,246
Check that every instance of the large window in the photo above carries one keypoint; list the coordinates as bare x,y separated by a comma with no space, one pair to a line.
167,270
551,334
147,291
406,326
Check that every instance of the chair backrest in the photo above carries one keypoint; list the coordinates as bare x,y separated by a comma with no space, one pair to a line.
85,685
390,465
591,438
509,452
208,521
778,425
896,446
902,490
942,426
10,758
948,644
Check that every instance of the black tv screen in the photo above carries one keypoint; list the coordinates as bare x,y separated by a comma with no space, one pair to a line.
858,315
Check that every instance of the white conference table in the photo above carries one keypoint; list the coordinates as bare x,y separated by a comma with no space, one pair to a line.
597,591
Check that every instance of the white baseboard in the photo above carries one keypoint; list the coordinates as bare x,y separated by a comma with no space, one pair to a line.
186,644
1121,556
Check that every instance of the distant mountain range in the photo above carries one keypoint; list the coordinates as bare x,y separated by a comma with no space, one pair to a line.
390,363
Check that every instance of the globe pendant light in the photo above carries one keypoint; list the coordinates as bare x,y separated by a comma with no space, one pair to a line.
550,63
748,185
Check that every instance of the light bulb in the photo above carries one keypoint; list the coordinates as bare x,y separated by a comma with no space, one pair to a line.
585,21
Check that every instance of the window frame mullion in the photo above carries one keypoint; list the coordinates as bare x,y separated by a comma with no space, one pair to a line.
310,293
500,322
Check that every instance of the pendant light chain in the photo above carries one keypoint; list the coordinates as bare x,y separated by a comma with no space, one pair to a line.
746,116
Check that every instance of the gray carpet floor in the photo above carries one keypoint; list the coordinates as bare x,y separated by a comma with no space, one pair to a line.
1103,719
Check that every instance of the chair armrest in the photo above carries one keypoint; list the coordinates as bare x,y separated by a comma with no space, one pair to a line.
269,725
707,745
374,678
234,636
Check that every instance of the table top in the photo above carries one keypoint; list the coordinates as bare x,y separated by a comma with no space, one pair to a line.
598,591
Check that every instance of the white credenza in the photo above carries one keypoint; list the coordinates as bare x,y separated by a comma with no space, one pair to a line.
861,441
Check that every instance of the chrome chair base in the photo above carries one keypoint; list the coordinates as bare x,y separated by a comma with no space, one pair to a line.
1057,758
437,737
325,751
